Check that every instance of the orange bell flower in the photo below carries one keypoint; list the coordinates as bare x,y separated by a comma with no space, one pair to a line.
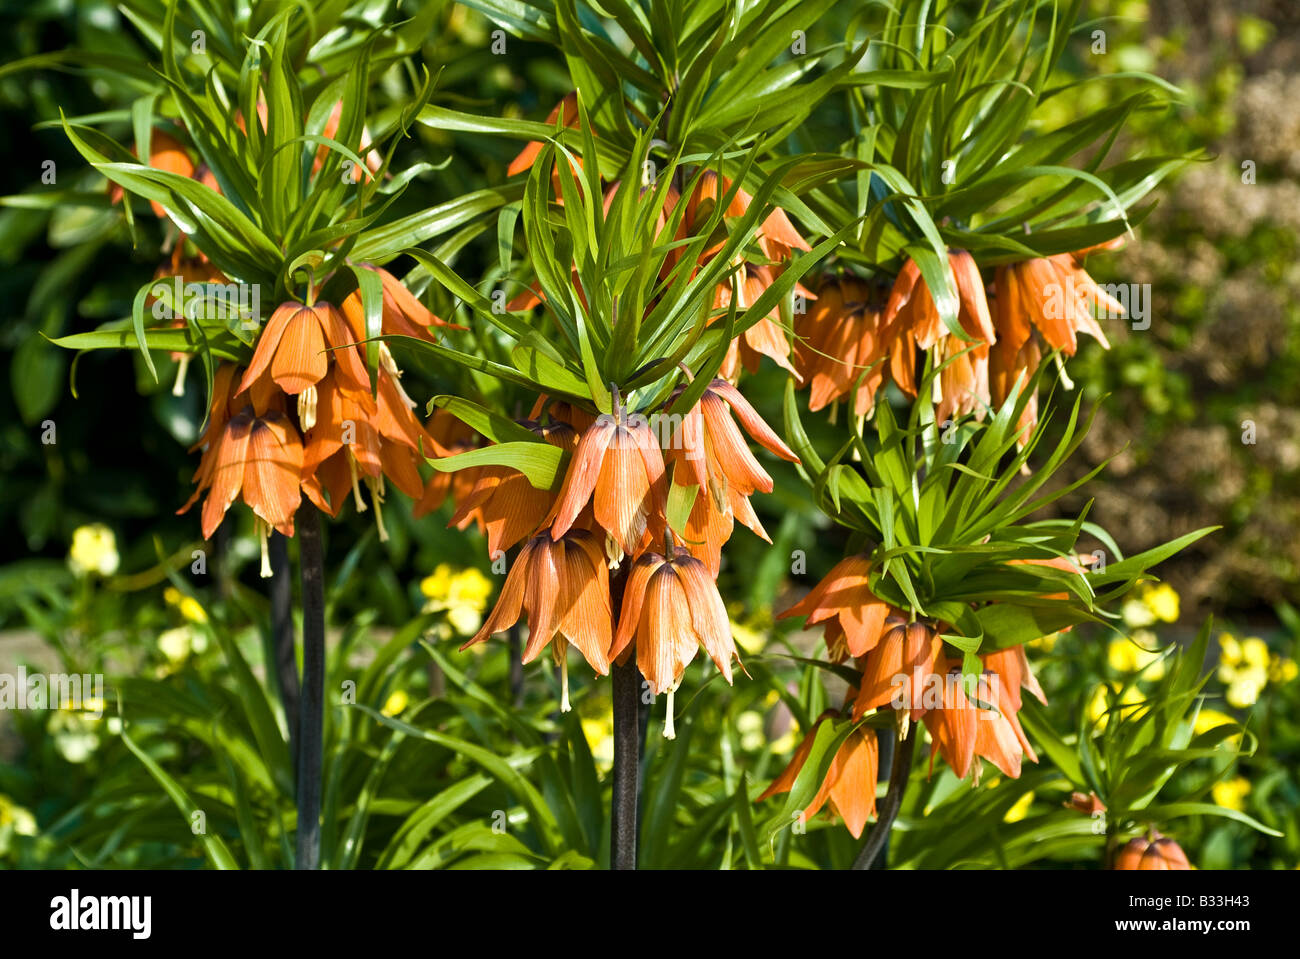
502,501
254,456
292,348
402,313
963,730
842,340
1154,852
619,467
166,153
671,608
562,585
850,783
898,671
533,149
1054,293
844,598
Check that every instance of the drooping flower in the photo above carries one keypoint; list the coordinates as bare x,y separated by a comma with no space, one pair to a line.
898,670
987,728
568,106
844,349
450,436
850,783
505,505
256,457
1056,295
562,585
777,239
671,608
618,467
1151,852
402,312
300,344
845,602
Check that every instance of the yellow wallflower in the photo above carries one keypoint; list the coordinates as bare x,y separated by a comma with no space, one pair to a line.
789,741
1208,719
1244,689
462,594
1282,669
94,550
1020,809
748,639
16,817
1162,600
1135,654
188,606
1231,793
749,725
597,720
1243,668
1098,710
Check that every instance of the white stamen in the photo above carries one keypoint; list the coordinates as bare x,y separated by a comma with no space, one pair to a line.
377,494
264,534
564,683
669,731
182,366
307,407
356,486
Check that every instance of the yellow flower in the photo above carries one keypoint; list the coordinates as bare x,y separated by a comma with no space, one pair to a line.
1020,809
747,638
597,722
787,742
1282,670
1162,600
1231,793
1208,719
94,550
1254,652
188,606
396,702
1100,711
1243,668
1229,655
465,619
15,816
466,589
1134,655
176,644
438,583
1245,688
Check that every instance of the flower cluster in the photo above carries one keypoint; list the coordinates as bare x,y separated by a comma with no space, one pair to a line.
610,513
903,667
860,334
306,419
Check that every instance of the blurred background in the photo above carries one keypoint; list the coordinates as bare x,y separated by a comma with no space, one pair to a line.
1201,411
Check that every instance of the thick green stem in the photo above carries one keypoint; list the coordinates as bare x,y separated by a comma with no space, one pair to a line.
311,563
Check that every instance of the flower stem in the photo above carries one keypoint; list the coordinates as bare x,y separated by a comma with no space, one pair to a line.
310,747
627,750
898,774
